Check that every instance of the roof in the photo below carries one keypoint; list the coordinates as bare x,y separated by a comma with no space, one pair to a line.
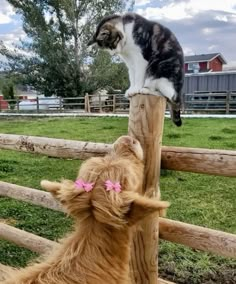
204,57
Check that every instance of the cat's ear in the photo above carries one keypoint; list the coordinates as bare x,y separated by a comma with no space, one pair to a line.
141,207
120,35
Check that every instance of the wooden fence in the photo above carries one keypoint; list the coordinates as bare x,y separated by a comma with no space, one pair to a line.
210,102
198,102
88,103
216,162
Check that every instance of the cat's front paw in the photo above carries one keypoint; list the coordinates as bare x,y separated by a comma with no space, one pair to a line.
147,91
131,92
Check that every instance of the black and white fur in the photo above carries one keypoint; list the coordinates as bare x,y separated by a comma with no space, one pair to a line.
152,54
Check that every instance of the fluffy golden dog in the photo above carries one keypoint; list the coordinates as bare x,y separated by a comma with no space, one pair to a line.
105,207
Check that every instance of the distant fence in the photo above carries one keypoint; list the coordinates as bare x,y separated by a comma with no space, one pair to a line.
214,102
223,102
88,103
217,81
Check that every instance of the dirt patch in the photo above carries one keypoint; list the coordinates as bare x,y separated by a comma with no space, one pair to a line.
223,275
9,221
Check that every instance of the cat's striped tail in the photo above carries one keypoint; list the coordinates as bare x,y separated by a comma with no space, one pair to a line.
175,113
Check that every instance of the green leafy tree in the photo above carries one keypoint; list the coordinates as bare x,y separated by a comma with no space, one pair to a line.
58,31
8,91
107,72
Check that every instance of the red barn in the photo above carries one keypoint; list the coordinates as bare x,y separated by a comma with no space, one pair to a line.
212,62
3,103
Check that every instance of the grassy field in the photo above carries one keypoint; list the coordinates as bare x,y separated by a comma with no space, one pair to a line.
208,201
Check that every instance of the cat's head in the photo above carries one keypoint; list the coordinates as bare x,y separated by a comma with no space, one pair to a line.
107,35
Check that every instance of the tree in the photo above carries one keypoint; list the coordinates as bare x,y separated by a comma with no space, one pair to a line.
58,30
8,90
107,72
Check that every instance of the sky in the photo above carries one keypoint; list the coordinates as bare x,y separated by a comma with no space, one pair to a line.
201,26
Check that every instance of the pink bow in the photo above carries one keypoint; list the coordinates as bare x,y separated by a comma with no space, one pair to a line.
85,185
113,186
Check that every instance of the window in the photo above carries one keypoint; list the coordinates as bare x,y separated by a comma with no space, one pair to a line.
193,66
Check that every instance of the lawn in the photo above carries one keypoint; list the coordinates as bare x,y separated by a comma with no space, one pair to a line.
203,200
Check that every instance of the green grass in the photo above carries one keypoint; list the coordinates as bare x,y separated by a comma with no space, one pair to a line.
208,201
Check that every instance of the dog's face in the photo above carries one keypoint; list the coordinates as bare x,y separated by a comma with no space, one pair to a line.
130,144
117,210
103,203
107,35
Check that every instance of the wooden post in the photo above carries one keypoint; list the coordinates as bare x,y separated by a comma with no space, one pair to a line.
100,103
17,104
89,107
60,104
146,122
37,101
114,103
227,102
86,98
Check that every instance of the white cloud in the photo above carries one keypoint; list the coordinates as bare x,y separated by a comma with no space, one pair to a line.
6,12
142,2
221,18
10,39
188,50
213,47
4,19
177,10
207,31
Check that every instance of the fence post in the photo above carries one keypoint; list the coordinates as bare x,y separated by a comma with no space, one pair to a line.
89,108
227,102
183,103
100,103
114,104
86,99
146,121
37,101
60,104
17,104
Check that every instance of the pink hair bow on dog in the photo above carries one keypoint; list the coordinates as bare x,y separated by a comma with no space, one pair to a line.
113,186
85,185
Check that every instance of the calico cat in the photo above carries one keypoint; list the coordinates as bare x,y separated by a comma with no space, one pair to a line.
151,52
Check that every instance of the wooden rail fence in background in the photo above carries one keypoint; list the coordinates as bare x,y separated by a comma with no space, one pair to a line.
223,102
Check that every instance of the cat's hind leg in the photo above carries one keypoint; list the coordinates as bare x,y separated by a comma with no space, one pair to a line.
149,87
165,87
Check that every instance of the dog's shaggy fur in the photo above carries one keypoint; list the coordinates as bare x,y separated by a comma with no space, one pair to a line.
98,250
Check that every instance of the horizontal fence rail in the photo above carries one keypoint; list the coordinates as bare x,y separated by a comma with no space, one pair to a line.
196,237
196,102
204,161
25,239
